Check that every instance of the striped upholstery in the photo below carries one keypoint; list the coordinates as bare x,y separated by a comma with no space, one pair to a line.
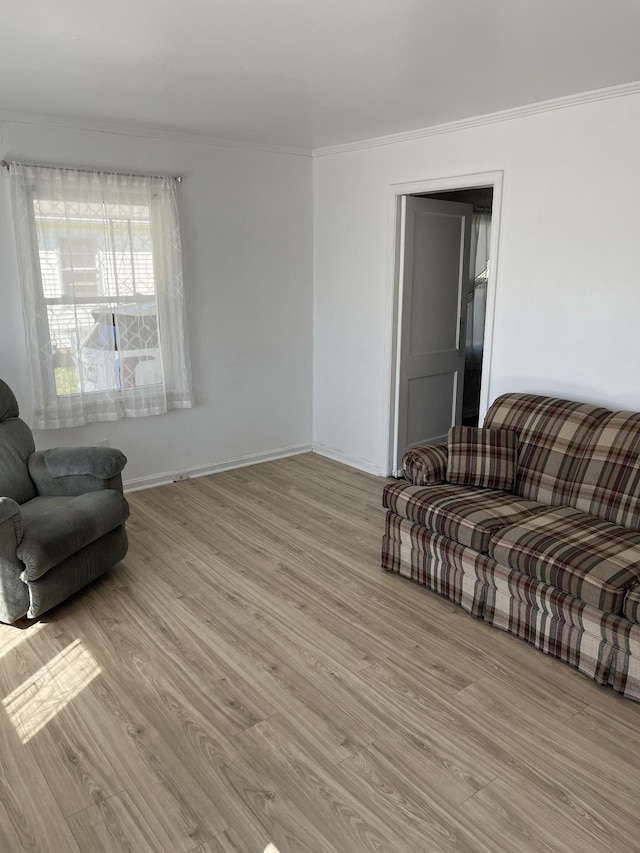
552,436
584,556
604,647
436,562
558,561
482,457
466,515
608,478
425,466
631,608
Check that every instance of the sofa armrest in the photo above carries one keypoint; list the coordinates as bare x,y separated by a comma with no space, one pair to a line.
427,465
76,470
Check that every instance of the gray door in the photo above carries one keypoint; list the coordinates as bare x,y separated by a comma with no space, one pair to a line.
434,286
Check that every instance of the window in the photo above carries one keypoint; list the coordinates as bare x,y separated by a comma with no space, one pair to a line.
101,277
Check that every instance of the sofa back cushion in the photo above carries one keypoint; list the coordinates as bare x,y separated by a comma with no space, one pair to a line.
552,435
607,479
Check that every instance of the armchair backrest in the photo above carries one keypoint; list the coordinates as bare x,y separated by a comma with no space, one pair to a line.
16,445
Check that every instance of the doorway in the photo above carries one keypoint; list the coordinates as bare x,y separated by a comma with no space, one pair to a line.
481,200
465,399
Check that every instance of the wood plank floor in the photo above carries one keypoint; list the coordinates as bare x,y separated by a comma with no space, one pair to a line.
249,675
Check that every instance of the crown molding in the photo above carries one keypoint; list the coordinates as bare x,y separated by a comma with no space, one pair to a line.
96,126
489,118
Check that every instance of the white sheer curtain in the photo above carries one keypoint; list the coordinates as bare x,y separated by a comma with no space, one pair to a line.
477,307
103,297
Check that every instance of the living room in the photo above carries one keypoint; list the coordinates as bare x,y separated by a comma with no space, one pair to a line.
288,256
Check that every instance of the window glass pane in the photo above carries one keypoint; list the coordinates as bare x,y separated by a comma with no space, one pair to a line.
112,343
126,259
50,272
83,353
98,347
138,344
78,264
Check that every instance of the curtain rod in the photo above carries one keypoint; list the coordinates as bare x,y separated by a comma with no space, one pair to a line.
178,178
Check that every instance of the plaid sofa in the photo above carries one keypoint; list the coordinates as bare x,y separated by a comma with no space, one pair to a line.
556,558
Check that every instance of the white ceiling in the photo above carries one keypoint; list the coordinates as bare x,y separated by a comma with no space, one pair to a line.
306,74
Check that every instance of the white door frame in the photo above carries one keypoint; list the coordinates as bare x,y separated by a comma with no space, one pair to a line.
394,296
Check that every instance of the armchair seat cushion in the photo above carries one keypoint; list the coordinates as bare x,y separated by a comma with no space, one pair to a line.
587,557
57,527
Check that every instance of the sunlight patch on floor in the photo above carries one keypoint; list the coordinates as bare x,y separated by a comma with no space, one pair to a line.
45,693
11,637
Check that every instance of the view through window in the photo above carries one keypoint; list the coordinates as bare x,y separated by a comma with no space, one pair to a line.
98,286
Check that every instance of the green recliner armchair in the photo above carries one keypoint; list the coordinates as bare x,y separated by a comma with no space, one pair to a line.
62,515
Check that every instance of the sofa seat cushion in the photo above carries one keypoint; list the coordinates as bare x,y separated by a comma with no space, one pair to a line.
56,527
584,556
467,515
631,608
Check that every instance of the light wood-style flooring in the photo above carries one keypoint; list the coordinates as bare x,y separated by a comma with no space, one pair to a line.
250,675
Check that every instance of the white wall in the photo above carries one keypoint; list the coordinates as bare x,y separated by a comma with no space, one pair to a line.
247,246
567,316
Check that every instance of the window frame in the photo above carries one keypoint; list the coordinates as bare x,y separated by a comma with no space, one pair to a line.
160,220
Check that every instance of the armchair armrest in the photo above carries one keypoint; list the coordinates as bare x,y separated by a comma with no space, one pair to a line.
14,595
76,470
10,512
427,465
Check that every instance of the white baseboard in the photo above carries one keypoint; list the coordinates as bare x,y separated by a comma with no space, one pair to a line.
165,477
352,461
